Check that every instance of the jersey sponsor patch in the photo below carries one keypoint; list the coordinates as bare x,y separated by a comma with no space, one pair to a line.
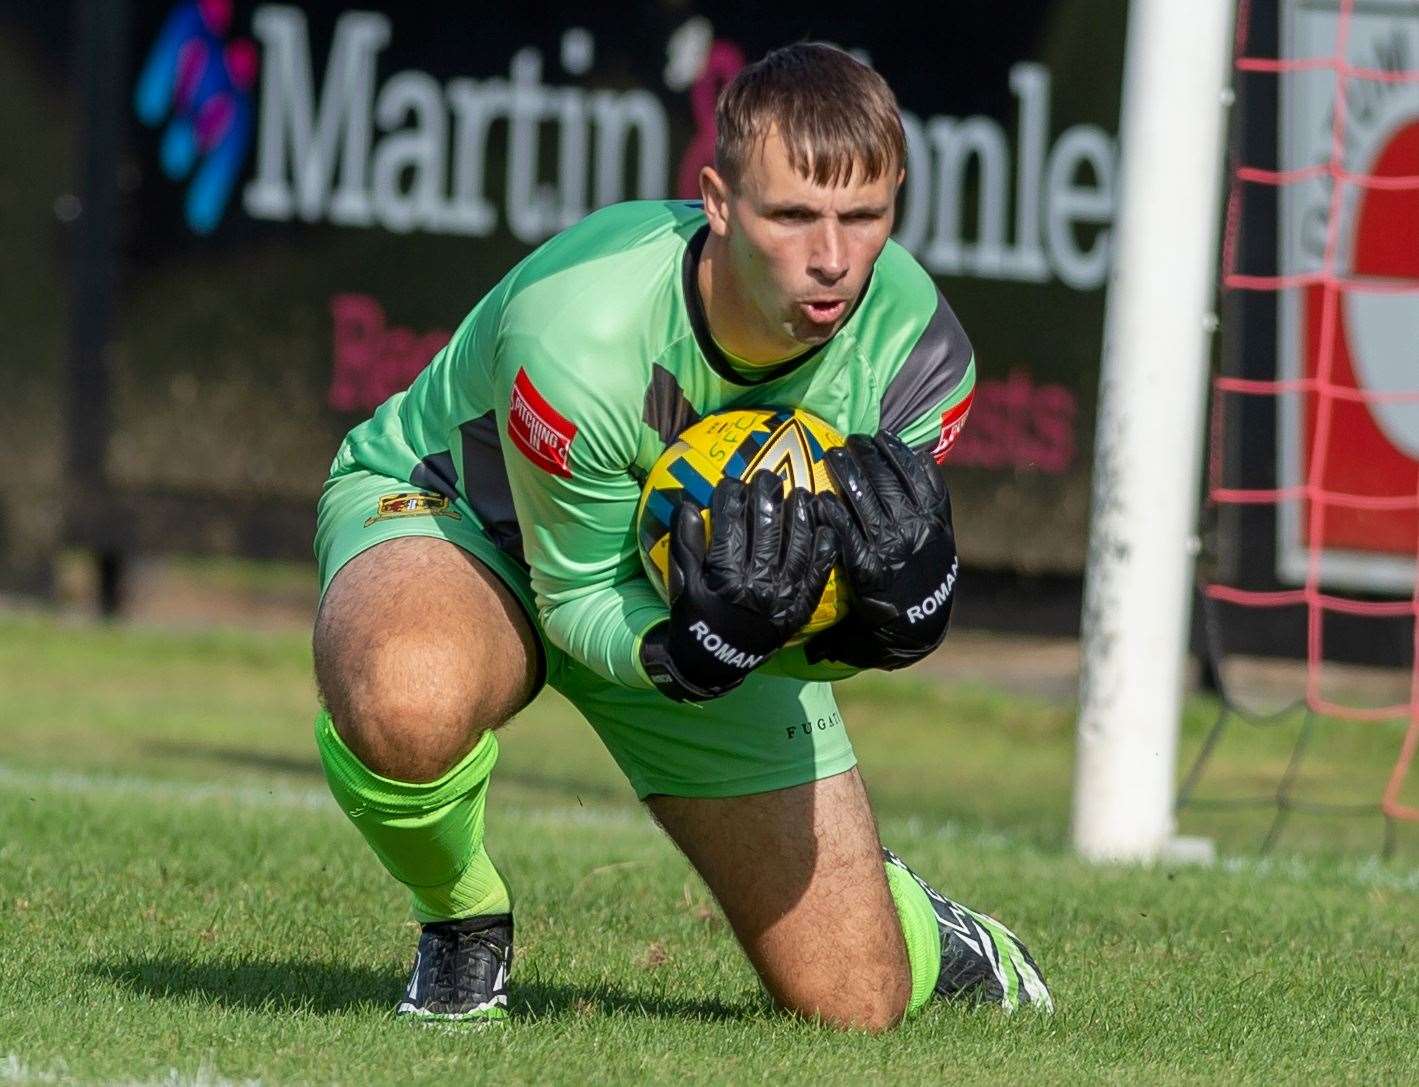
542,432
412,504
953,421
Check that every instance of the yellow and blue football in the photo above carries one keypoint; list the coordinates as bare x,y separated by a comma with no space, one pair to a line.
787,441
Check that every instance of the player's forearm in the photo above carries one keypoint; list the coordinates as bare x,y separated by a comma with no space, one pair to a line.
603,629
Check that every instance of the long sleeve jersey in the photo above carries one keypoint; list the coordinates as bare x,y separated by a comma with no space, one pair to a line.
566,382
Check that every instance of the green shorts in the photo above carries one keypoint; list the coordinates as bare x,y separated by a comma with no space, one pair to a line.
770,733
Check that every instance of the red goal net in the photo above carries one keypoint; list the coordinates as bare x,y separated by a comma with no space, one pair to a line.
1314,460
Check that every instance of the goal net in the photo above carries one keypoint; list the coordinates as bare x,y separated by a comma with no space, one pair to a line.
1313,467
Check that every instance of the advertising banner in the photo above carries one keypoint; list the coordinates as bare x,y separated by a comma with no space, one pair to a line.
313,195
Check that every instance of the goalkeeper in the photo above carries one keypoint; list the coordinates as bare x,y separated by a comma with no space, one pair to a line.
475,541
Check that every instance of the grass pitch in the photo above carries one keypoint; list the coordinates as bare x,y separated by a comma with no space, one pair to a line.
181,902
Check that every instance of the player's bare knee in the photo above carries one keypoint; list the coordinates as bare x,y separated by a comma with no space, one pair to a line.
875,1018
874,1009
889,1006
417,654
407,741
860,1008
423,760
408,706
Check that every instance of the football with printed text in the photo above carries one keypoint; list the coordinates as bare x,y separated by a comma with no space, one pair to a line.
787,441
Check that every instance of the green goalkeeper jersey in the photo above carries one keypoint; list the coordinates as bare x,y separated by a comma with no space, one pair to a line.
570,377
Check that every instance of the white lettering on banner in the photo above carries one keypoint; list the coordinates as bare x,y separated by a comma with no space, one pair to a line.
418,149
411,154
289,118
1046,181
318,159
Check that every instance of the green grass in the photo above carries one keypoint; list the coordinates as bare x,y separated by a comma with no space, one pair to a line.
181,902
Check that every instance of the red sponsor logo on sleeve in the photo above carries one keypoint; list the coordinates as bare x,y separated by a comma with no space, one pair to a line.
953,421
542,432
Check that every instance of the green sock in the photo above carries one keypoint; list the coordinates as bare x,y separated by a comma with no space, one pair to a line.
922,934
428,835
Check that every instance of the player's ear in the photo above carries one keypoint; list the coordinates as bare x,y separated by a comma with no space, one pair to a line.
714,191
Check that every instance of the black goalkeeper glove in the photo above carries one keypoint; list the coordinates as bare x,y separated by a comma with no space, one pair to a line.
735,604
893,525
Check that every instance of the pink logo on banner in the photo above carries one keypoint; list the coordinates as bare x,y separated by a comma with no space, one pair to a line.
374,360
1014,424
722,64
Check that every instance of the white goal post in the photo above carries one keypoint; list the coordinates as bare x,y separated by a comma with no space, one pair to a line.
1149,429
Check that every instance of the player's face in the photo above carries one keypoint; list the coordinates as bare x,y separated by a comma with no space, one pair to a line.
801,251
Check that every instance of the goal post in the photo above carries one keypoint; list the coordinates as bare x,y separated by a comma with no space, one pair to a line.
1149,429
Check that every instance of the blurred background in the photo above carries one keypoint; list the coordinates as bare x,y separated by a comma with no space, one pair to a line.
216,267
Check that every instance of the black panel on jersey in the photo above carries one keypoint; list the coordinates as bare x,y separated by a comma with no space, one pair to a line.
485,481
667,409
935,367
436,473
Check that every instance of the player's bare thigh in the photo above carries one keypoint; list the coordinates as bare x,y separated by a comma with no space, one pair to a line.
799,874
420,649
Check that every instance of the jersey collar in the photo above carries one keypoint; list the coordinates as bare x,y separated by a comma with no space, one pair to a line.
699,323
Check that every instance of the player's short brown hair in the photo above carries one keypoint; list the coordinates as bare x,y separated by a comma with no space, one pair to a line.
835,114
